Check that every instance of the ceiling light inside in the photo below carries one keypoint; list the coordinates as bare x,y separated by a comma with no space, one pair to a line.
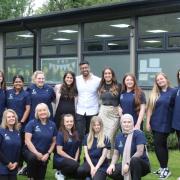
26,35
152,41
68,31
104,35
61,39
120,25
157,31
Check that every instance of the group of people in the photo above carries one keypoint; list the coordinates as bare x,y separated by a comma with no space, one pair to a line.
100,115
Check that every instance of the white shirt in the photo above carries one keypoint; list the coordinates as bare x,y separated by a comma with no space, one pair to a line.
87,101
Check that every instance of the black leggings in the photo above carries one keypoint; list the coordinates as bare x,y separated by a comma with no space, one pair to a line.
84,171
138,168
161,149
35,169
8,177
67,166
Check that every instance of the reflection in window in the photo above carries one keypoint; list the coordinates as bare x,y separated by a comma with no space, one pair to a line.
93,46
159,24
27,51
19,38
48,50
11,52
23,67
150,43
68,49
117,45
174,42
107,29
58,35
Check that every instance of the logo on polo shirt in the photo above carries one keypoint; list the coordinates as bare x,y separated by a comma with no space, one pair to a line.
120,144
37,129
6,137
70,140
10,96
34,91
178,92
121,97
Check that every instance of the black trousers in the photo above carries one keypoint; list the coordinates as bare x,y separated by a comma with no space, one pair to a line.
85,170
8,177
161,149
138,168
68,167
35,169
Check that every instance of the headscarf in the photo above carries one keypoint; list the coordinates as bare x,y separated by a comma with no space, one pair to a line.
127,147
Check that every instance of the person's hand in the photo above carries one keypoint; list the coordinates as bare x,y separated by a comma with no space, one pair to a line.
10,165
110,169
39,156
45,157
148,127
120,111
93,172
125,169
137,126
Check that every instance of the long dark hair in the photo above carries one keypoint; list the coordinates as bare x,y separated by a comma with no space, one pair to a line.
136,89
69,91
3,83
178,78
114,86
65,132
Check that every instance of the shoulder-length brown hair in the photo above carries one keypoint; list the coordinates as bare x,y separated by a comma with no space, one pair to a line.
4,119
136,89
69,91
3,83
65,132
178,77
114,88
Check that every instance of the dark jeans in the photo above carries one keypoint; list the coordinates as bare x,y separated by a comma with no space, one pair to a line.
161,149
67,166
35,169
85,170
138,168
8,177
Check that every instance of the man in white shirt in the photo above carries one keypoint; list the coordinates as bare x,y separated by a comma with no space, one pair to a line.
87,102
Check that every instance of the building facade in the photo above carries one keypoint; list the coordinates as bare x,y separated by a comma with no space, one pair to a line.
141,36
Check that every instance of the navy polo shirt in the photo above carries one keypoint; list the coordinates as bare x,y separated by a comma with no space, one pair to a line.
161,118
95,153
138,139
176,111
70,147
42,134
17,102
127,103
38,95
10,145
2,103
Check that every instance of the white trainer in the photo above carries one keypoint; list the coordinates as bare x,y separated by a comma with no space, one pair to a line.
59,176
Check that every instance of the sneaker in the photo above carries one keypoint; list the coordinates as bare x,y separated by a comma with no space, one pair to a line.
59,176
23,171
165,173
157,172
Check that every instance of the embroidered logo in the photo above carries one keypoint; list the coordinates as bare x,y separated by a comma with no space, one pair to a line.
10,96
120,144
6,137
37,129
34,91
178,92
121,97
70,140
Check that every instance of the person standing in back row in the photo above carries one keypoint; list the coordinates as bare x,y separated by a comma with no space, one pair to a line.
87,102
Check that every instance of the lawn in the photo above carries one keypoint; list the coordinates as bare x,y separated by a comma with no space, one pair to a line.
174,165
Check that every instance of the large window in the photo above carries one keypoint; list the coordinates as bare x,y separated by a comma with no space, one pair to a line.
18,55
119,63
150,64
106,36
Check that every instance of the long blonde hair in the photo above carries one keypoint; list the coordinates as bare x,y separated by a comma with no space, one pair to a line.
91,135
155,93
4,119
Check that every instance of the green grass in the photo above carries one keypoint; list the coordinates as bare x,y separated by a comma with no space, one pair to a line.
174,164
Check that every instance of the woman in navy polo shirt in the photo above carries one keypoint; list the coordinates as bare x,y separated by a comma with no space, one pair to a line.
2,94
18,100
96,146
130,144
10,145
176,111
132,100
67,148
40,93
40,139
159,119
